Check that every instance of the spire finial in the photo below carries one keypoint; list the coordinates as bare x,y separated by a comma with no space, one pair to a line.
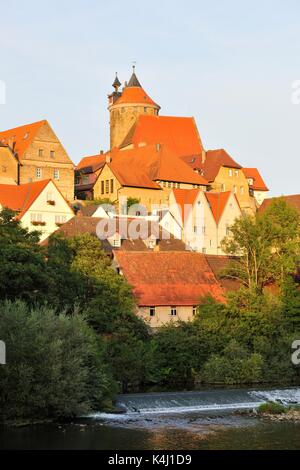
116,83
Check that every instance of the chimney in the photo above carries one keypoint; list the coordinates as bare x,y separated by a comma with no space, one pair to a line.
101,152
203,156
107,158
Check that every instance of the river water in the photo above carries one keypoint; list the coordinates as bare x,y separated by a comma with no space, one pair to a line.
211,419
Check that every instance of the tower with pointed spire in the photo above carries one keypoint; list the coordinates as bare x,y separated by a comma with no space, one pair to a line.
126,106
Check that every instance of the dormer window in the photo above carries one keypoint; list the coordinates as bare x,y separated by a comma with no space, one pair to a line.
26,135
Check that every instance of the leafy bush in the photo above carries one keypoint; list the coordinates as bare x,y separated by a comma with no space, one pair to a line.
272,408
54,364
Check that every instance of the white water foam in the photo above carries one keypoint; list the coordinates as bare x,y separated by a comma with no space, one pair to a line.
177,410
286,397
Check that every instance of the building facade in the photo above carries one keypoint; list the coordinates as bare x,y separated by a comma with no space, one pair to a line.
41,156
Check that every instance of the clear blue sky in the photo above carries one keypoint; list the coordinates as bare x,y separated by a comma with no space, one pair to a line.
229,63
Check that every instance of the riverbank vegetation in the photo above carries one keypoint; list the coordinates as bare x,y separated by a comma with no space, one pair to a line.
73,338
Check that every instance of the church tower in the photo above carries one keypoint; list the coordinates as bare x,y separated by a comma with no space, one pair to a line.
126,106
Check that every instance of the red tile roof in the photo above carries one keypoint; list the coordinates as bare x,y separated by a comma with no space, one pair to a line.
83,224
180,134
219,263
185,198
169,278
135,95
143,166
20,198
214,160
258,182
94,161
22,136
217,203
293,200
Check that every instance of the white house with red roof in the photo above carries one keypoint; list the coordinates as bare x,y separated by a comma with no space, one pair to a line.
39,206
204,218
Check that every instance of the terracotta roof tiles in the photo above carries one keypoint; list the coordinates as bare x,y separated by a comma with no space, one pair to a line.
180,134
258,182
169,278
20,198
21,136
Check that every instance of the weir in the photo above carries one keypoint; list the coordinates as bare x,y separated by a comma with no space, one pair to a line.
203,401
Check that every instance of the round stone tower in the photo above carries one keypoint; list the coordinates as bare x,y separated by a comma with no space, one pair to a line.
126,106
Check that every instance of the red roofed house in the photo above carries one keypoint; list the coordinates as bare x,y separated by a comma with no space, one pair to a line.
86,174
40,205
40,155
205,218
148,173
224,174
168,286
256,184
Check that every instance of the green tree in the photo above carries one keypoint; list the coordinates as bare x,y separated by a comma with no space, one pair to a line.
55,366
267,245
290,296
22,265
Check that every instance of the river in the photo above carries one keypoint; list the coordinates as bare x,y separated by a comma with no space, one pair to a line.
209,419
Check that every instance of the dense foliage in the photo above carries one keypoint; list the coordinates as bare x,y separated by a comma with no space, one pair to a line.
73,338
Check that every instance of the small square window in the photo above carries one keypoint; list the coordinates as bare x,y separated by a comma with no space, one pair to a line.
173,311
237,173
41,152
56,174
194,310
52,153
230,172
38,172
